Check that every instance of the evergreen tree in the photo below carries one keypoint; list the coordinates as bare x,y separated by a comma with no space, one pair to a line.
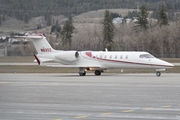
163,18
142,21
66,34
53,28
56,29
108,30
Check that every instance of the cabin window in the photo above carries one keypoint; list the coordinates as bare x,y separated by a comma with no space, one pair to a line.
126,56
110,56
105,56
121,57
116,57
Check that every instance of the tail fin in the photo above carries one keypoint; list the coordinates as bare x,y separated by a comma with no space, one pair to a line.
40,43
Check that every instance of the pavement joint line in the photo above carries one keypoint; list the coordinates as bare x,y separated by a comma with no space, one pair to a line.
58,119
80,117
147,108
3,82
128,111
168,106
107,113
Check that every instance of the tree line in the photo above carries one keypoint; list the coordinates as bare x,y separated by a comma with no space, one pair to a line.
27,9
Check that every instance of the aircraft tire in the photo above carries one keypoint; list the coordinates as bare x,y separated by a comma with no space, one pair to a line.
97,72
82,74
158,74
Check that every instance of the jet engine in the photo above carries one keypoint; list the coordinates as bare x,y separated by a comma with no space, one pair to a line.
69,56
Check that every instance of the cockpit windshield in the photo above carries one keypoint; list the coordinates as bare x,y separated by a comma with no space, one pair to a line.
146,56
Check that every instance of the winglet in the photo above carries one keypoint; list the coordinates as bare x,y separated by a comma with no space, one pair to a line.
37,59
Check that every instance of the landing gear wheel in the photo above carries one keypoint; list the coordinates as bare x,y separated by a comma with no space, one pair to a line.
82,74
158,74
97,72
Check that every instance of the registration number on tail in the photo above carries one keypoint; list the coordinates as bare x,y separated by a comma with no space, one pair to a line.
46,50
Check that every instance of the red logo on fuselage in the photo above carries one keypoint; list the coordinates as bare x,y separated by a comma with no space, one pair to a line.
46,50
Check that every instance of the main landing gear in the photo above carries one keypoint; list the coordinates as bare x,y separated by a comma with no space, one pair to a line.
82,72
97,72
158,73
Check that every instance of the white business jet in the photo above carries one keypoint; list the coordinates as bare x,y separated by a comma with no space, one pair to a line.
96,61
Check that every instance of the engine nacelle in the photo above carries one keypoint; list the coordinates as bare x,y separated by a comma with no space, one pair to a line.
69,56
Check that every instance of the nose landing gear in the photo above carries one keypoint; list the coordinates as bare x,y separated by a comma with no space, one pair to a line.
82,74
158,73
82,71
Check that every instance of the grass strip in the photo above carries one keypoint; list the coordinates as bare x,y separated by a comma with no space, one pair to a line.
42,69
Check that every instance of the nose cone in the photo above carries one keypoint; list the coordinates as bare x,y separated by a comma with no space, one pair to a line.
166,64
170,65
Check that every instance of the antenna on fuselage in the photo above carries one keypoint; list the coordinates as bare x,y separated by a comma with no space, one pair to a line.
106,49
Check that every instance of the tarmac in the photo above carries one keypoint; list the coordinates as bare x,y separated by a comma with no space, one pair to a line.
73,97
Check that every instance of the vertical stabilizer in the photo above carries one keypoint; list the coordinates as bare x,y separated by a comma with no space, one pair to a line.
41,44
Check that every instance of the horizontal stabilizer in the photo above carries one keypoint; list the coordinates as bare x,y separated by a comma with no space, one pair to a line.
31,36
44,60
39,60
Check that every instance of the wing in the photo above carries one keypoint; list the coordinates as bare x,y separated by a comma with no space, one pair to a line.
72,66
40,62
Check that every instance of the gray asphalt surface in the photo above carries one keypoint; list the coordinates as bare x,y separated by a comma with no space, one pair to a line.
105,97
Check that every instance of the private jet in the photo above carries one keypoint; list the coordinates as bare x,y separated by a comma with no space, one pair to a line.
96,61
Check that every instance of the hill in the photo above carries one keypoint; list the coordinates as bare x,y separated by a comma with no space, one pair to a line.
87,19
26,15
26,9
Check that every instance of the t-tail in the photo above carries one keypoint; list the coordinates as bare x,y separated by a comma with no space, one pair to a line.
41,44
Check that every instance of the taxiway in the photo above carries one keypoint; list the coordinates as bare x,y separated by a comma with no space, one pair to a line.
105,97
